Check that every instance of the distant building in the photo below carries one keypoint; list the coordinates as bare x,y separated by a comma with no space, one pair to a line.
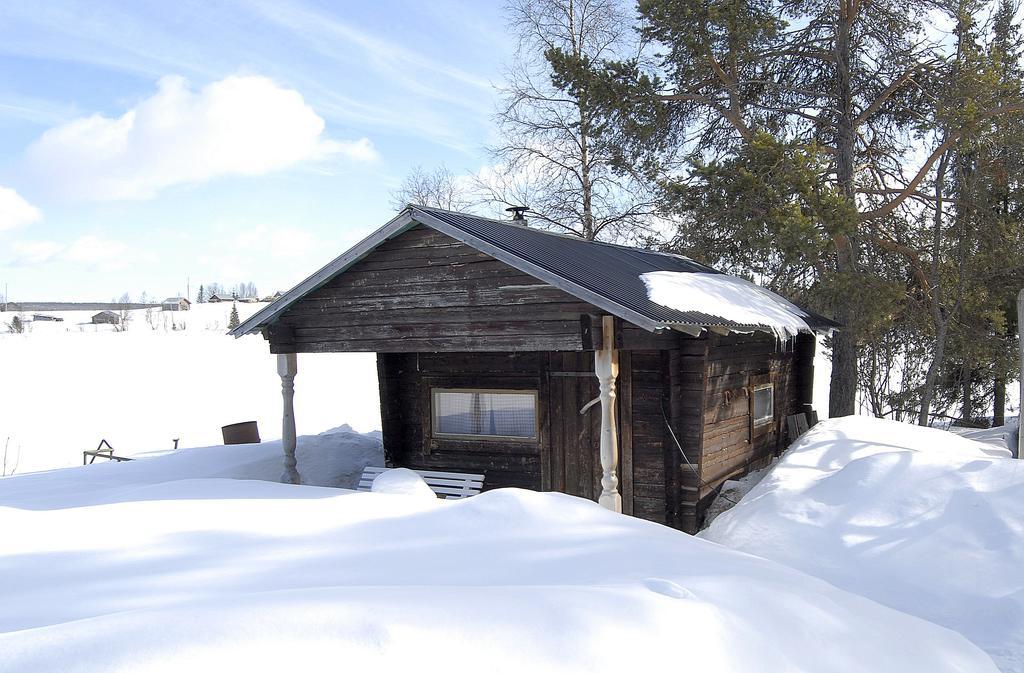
217,298
106,318
175,304
42,317
273,297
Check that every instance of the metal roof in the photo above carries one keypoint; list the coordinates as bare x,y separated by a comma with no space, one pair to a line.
603,274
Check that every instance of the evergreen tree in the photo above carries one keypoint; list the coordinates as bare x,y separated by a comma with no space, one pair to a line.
233,321
201,296
782,135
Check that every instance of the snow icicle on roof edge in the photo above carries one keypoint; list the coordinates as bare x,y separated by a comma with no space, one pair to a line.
728,297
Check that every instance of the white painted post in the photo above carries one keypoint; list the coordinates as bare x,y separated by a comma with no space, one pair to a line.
1020,343
606,366
287,367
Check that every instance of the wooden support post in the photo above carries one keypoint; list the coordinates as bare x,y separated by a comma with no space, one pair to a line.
606,366
287,367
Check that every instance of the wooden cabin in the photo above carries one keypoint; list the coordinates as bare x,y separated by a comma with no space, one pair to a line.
541,361
106,318
175,304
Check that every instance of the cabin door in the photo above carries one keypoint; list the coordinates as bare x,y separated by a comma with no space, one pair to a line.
574,464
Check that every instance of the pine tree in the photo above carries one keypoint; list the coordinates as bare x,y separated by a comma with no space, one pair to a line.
784,137
233,320
201,296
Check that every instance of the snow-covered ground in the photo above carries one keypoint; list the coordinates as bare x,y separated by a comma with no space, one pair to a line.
921,520
153,565
175,375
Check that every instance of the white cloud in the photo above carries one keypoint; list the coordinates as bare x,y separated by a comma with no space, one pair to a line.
88,250
240,125
281,241
34,252
16,211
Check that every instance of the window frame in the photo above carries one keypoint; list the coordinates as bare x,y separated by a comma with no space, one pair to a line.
441,436
764,420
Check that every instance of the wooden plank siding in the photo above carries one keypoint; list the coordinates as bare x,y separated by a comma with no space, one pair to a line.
424,291
731,445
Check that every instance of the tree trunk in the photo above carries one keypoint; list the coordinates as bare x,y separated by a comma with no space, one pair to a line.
999,402
967,393
933,373
941,321
842,399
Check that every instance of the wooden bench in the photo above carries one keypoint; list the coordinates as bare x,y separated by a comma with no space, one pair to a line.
104,450
448,485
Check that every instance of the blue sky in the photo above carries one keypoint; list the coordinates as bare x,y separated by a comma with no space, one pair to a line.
142,144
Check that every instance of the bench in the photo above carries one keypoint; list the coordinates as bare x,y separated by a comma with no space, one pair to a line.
104,450
448,485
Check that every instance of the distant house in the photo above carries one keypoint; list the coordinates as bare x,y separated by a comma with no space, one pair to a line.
273,297
175,304
42,317
217,298
106,318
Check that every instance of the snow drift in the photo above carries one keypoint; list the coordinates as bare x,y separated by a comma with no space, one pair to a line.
333,458
918,519
105,568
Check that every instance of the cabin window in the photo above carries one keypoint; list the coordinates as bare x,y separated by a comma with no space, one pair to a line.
762,404
484,414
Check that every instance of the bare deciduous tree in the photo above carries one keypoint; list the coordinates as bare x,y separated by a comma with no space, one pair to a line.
548,157
124,313
438,188
8,461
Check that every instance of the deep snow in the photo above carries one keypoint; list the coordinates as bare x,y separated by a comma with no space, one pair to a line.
918,519
127,572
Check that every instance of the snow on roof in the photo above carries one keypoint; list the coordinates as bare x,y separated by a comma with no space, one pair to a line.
731,298
174,300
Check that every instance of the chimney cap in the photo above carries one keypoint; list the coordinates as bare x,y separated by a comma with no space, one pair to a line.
518,213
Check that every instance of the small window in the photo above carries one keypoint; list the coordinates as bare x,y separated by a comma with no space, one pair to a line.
484,414
762,404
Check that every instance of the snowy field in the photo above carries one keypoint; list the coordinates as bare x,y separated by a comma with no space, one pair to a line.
185,562
175,375
921,520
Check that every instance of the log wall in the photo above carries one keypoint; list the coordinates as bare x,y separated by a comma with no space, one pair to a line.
731,445
425,291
